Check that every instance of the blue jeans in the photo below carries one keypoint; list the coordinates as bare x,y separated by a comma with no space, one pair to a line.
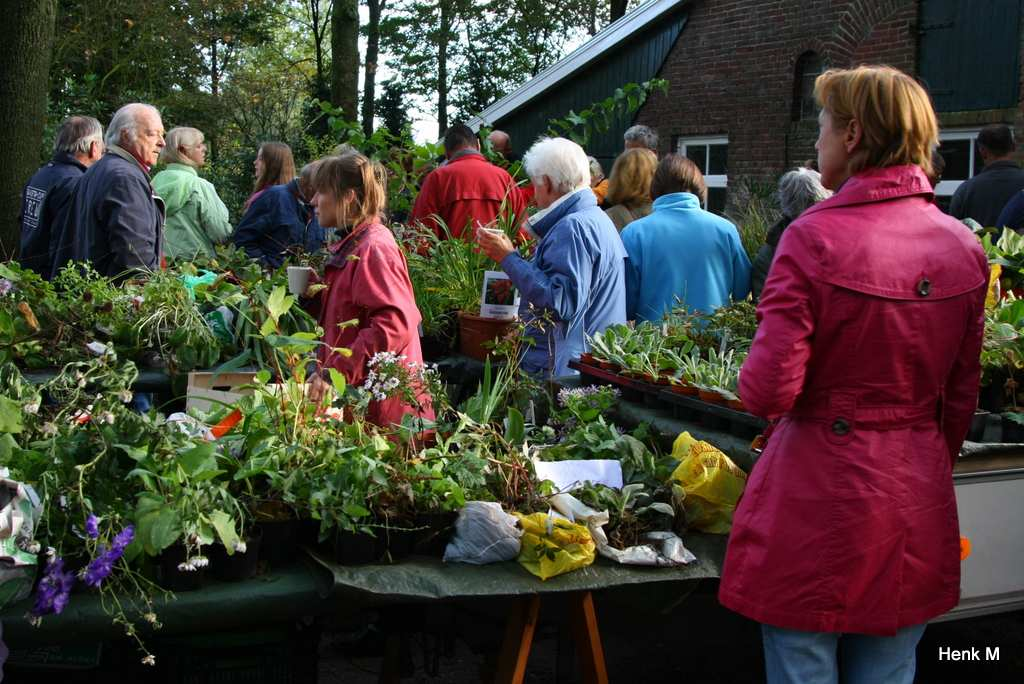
794,657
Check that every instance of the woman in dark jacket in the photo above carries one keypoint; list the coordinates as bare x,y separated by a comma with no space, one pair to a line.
798,189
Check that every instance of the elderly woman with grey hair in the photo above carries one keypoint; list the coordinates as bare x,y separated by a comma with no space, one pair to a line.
196,217
798,189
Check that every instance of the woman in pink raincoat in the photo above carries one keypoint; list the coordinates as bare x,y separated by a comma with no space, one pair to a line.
367,280
846,542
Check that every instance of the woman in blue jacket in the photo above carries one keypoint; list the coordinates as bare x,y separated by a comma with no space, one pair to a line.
681,253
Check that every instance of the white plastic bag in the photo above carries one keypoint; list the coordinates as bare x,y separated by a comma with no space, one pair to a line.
483,534
663,549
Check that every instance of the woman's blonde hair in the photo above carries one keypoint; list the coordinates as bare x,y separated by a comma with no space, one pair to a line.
181,136
632,173
353,171
894,112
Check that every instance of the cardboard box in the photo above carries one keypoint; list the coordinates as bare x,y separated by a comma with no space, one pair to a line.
211,390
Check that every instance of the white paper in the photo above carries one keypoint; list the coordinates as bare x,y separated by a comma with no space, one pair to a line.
498,299
569,475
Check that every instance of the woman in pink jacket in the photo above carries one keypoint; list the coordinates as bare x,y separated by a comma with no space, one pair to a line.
846,542
367,280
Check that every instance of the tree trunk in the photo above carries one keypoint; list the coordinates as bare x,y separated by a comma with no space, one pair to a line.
369,103
24,80
345,57
618,9
442,68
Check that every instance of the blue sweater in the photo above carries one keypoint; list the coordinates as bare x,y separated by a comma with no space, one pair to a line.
682,251
278,219
576,275
44,206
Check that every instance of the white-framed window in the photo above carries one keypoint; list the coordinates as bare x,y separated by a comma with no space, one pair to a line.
959,149
711,155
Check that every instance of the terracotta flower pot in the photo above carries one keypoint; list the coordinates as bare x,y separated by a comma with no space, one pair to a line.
735,404
587,358
710,396
475,331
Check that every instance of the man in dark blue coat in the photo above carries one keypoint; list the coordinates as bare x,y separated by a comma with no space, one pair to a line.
47,196
279,219
115,220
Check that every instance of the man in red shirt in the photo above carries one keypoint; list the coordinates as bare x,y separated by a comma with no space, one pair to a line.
467,190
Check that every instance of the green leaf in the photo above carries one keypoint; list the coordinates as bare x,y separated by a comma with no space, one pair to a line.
225,527
158,525
338,381
279,303
198,459
298,343
354,510
269,327
515,427
10,416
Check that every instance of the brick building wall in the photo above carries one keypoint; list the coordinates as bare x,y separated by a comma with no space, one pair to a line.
732,74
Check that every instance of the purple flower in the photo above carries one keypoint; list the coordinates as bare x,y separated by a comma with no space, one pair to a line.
92,526
5,286
103,564
54,589
124,538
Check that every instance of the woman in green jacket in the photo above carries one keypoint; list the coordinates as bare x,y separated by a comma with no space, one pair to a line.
196,217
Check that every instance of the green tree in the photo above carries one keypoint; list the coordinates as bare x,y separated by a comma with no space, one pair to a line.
376,8
392,108
24,66
345,57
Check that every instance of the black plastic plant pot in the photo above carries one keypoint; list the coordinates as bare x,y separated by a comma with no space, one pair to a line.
977,429
173,579
238,566
434,534
279,541
1013,432
398,542
354,548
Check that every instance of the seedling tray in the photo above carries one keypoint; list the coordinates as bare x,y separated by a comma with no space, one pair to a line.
713,416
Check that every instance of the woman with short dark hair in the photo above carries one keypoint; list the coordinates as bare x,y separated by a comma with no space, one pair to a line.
682,253
866,358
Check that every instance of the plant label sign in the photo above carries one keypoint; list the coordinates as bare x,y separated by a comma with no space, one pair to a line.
499,298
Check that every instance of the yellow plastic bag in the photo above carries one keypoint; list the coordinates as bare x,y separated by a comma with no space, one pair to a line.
711,481
552,546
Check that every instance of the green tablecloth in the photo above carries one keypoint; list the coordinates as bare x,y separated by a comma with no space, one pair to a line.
314,588
427,579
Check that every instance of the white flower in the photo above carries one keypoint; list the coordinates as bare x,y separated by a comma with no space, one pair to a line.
34,620
107,417
185,567
201,561
240,547
149,660
32,409
81,383
49,429
125,396
51,552
150,618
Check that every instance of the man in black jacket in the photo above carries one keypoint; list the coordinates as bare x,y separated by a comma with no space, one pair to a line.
115,220
984,196
47,196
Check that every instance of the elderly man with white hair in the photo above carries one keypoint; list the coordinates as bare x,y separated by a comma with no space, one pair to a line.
47,196
116,220
576,276
798,190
